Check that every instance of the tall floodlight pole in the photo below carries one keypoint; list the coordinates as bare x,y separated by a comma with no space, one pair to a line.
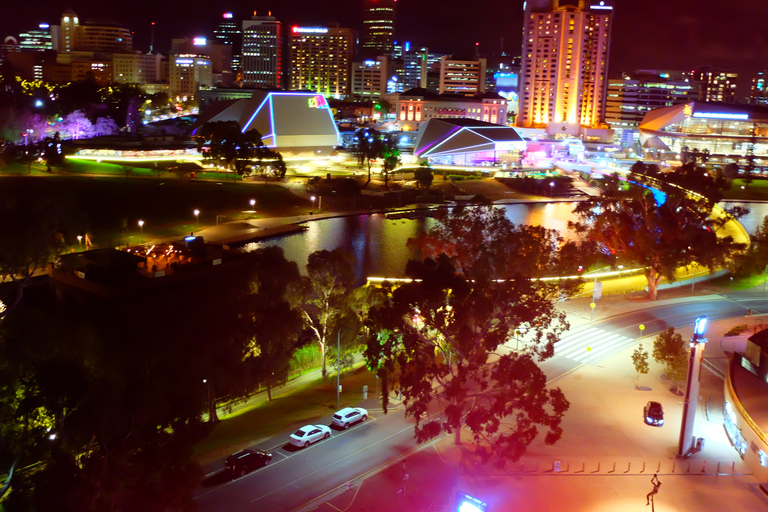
692,386
338,366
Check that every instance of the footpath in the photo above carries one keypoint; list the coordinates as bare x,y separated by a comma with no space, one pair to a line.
605,459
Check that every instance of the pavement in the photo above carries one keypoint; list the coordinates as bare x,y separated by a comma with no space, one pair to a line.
604,460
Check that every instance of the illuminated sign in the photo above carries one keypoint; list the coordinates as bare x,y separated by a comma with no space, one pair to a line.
198,41
687,111
407,46
184,61
44,25
601,6
317,102
227,15
310,30
722,115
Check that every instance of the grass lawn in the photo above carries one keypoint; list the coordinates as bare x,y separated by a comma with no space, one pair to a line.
284,413
757,190
101,206
740,283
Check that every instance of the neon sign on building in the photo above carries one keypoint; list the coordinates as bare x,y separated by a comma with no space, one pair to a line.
310,30
722,115
317,102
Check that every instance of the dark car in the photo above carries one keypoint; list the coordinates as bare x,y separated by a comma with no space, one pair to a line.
653,414
242,462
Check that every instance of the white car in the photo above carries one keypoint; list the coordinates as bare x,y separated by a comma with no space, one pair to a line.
308,434
349,415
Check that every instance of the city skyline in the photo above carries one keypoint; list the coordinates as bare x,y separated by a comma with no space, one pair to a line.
651,34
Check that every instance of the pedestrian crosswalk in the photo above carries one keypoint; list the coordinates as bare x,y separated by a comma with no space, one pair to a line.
589,344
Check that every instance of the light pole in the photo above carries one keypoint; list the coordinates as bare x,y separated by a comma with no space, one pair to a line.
686,444
313,201
80,240
212,417
197,215
141,226
253,204
338,367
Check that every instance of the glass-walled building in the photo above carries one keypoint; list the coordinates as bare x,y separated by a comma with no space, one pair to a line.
729,132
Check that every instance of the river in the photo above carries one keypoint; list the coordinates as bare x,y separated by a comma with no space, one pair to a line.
379,244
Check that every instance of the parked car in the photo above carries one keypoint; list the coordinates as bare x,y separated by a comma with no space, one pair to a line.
349,415
653,414
308,434
244,461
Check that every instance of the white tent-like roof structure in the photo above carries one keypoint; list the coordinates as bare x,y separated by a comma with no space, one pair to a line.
293,121
455,136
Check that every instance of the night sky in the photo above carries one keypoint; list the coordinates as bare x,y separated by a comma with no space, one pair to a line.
652,34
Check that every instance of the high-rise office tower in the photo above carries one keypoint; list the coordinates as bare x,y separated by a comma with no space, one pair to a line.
414,69
37,40
565,62
378,27
228,33
321,58
262,54
715,84
462,76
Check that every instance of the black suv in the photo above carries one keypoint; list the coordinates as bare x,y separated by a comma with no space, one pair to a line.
242,462
654,414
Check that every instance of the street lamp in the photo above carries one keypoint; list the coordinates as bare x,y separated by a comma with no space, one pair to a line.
80,240
141,226
686,444
313,201
253,204
197,214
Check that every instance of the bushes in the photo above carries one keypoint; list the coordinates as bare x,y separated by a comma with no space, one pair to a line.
306,358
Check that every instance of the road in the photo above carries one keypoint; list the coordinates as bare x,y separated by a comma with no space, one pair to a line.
299,476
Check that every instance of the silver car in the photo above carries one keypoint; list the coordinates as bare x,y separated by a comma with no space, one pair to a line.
309,434
349,415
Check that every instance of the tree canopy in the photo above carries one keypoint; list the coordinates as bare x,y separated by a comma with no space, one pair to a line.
441,338
225,141
660,230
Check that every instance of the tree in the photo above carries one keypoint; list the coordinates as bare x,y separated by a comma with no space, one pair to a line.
367,147
390,155
439,336
105,126
322,296
423,175
659,230
224,141
272,326
669,350
109,400
77,124
640,360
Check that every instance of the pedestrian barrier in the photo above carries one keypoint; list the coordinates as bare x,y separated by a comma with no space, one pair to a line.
634,467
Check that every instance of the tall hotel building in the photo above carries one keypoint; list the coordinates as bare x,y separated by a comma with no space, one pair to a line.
228,33
321,60
565,62
262,54
378,27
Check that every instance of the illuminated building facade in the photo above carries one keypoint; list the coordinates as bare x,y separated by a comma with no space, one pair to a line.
728,132
91,36
414,67
369,78
321,59
563,76
745,404
715,84
36,40
291,122
758,90
378,27
227,32
468,142
417,106
137,68
187,73
630,98
463,77
262,54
